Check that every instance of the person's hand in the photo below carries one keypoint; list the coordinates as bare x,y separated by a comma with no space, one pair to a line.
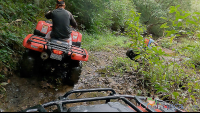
48,12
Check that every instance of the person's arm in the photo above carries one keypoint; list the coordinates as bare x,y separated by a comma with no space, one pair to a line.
72,20
156,44
48,15
153,41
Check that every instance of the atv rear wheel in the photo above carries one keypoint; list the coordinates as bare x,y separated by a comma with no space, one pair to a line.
74,74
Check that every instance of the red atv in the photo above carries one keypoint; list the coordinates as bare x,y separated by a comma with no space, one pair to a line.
55,58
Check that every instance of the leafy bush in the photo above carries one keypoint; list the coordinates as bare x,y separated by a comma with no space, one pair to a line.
123,65
102,42
166,43
100,15
18,18
152,10
168,78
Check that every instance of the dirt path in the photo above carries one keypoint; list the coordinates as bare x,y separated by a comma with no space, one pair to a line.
22,93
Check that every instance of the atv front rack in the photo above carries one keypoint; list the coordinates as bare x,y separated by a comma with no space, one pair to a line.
140,106
51,45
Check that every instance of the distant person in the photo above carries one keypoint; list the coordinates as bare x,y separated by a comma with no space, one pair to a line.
148,41
62,19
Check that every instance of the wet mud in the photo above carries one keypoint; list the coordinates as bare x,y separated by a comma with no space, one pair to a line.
22,93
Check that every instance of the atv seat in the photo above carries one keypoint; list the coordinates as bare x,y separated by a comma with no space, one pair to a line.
60,42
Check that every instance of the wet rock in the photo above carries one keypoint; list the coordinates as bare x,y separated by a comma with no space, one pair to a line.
17,89
120,79
100,79
1,96
130,90
132,77
120,92
44,84
8,81
106,81
114,87
120,87
110,80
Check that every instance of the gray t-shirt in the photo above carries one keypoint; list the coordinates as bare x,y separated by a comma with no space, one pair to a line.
62,19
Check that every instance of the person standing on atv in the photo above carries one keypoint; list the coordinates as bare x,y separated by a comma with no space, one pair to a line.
62,19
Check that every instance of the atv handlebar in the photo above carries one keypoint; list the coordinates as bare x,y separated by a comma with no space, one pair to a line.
87,90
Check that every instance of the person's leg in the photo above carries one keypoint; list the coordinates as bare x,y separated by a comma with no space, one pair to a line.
69,41
48,35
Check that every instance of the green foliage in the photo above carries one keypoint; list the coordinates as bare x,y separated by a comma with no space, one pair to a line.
135,29
188,22
85,11
152,10
18,19
166,43
100,15
182,21
167,77
123,65
2,84
103,42
2,77
120,13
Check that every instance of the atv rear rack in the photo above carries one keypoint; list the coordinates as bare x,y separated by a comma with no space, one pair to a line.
52,45
140,107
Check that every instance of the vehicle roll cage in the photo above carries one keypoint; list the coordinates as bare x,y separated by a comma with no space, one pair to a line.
125,98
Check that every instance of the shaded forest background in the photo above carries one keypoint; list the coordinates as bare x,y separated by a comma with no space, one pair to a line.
19,18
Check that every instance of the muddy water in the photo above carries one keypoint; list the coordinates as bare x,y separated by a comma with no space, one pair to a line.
22,93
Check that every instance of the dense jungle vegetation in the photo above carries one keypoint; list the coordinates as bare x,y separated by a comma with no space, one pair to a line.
175,23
